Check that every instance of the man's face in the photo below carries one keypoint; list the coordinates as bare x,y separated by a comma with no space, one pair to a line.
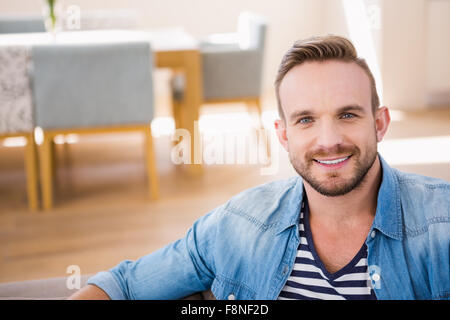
329,129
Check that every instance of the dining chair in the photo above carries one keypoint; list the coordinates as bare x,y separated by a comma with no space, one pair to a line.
92,88
16,114
232,65
21,23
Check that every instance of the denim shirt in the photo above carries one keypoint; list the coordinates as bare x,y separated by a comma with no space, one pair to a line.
245,249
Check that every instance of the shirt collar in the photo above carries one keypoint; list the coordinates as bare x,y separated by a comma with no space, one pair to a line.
290,212
388,217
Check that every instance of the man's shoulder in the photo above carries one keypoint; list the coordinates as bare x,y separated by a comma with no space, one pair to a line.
417,180
422,187
261,203
424,200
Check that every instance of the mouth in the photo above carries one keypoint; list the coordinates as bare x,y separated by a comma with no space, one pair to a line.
333,163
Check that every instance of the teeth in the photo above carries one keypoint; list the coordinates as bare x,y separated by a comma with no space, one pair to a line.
333,161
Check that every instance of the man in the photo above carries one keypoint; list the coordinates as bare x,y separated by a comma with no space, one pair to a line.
350,227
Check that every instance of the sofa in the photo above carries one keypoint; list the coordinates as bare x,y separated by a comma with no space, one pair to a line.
56,289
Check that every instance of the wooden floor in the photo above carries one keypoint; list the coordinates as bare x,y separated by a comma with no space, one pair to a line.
102,216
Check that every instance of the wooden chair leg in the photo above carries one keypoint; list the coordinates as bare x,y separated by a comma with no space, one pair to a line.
190,111
257,103
259,109
176,102
54,164
46,171
152,174
32,173
177,113
251,106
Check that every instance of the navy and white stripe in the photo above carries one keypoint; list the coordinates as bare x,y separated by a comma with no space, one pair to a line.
309,280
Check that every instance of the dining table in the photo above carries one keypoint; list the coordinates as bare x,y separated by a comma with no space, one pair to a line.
172,48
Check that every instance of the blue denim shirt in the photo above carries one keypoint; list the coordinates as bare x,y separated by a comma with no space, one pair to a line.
245,249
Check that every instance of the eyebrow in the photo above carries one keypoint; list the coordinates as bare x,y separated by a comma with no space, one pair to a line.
301,113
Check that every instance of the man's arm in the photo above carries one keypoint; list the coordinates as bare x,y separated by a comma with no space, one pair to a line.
175,271
89,292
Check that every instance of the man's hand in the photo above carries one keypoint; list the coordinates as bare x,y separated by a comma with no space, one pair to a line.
89,292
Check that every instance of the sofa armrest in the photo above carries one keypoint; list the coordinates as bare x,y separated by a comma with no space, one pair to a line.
56,289
45,289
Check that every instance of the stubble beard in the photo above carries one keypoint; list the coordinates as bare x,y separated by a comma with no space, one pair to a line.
335,185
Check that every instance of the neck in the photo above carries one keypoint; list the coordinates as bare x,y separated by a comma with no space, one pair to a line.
354,208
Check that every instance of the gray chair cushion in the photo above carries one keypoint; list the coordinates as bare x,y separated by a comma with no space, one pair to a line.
92,85
251,30
232,74
236,73
232,70
21,24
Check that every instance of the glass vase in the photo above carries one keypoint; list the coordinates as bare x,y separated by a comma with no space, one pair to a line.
52,12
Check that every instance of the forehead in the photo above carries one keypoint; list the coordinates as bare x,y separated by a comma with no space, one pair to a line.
325,85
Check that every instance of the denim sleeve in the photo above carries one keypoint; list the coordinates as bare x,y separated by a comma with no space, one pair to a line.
439,254
177,270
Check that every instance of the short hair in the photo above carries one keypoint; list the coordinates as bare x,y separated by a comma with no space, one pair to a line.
322,48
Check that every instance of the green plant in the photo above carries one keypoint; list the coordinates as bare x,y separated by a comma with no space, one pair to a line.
52,15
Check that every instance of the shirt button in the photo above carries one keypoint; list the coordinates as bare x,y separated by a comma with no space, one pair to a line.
231,297
373,233
285,270
375,277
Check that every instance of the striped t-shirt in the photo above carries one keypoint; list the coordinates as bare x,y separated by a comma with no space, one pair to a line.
309,279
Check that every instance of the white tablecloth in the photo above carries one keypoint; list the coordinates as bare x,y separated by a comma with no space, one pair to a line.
15,92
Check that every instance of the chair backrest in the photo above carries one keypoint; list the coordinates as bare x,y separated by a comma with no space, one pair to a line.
21,24
251,30
92,85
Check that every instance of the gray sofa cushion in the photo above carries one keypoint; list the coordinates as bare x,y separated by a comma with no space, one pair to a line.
53,288
56,289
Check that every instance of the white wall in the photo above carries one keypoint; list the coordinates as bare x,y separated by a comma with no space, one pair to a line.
361,22
438,53
413,44
413,49
404,53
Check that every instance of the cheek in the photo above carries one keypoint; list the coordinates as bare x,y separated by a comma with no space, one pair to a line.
360,134
299,143
366,140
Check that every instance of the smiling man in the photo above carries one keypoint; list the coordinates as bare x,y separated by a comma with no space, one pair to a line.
348,227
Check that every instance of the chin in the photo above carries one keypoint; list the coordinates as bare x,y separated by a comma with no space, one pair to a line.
334,189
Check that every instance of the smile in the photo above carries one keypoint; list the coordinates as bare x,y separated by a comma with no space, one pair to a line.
333,162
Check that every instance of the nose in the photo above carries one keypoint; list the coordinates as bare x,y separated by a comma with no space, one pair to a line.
328,135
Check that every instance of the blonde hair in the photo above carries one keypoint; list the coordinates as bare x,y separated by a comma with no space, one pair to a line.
322,48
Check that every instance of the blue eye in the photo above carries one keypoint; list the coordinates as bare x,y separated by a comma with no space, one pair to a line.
348,116
305,120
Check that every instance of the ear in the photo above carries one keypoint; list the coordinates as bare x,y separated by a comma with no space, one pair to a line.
280,127
382,121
